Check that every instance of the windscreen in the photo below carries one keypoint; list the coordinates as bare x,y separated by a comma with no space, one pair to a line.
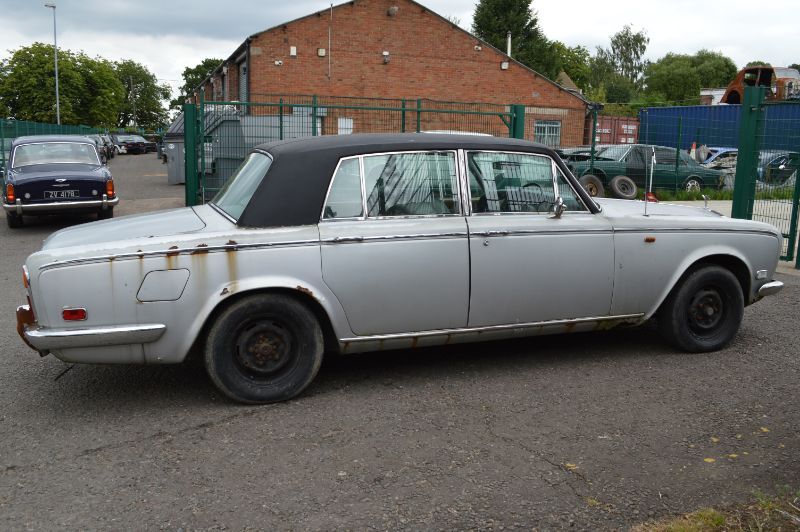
54,153
237,192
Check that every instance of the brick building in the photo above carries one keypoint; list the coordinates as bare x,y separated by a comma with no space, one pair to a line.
392,49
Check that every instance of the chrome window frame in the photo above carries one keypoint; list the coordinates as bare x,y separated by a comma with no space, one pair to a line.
458,188
220,209
554,168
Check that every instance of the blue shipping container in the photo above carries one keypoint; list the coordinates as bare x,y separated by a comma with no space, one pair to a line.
718,125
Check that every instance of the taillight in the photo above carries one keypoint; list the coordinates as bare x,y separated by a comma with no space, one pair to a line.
25,278
73,314
110,188
10,197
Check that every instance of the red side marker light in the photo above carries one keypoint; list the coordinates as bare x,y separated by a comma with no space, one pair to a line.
73,314
649,196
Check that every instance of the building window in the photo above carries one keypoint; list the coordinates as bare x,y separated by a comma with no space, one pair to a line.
345,126
547,132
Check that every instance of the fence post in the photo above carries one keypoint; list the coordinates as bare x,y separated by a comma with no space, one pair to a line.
518,121
744,185
3,146
594,139
678,150
190,152
403,117
280,119
419,114
314,116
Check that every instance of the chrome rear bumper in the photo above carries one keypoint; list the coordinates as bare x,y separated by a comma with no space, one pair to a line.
44,339
770,288
55,206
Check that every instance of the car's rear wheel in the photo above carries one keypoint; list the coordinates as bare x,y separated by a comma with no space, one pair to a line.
105,214
264,348
704,311
623,187
592,185
14,220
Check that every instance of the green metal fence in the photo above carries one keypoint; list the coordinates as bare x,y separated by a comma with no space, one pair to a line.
218,135
768,163
11,129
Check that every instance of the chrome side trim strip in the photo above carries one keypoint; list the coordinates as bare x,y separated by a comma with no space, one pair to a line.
770,288
467,330
46,339
522,232
694,230
178,251
349,239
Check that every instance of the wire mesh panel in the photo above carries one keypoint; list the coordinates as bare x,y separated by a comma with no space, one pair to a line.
11,129
777,190
232,129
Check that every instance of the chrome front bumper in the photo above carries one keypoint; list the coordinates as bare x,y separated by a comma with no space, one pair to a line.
33,208
45,339
770,288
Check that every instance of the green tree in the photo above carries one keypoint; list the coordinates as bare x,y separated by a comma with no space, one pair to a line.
713,68
795,66
674,77
574,60
192,77
679,78
493,19
144,97
104,94
757,63
626,54
27,85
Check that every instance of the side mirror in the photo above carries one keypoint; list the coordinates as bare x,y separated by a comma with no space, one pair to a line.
559,207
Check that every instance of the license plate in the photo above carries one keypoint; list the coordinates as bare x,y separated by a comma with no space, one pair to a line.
58,194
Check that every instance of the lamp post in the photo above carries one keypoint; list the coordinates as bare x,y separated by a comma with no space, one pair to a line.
55,53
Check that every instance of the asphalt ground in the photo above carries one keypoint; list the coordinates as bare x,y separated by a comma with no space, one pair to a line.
589,431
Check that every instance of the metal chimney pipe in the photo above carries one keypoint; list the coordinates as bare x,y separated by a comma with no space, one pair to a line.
508,44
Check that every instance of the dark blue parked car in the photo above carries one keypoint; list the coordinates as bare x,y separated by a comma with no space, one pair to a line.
50,174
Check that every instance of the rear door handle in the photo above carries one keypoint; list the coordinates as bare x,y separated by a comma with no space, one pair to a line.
343,239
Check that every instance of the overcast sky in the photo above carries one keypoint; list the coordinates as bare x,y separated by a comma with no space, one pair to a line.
168,35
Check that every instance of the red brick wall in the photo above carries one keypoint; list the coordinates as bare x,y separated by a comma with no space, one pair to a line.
428,58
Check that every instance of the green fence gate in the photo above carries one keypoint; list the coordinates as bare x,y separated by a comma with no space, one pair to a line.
218,135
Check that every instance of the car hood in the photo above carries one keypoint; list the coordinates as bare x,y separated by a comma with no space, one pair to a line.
617,207
150,225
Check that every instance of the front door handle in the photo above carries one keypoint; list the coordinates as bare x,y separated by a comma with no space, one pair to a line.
343,239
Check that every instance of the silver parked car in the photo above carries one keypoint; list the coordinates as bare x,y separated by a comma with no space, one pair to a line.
368,242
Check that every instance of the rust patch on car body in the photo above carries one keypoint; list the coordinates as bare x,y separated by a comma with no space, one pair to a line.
305,290
225,291
201,248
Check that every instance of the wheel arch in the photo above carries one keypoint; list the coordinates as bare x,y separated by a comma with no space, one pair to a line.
299,293
736,265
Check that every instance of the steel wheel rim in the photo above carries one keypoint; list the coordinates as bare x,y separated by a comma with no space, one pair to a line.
692,185
706,310
264,349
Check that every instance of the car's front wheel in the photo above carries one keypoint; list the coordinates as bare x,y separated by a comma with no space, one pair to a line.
264,348
592,185
704,311
693,184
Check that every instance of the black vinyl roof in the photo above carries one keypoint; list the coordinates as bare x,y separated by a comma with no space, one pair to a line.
294,189
51,138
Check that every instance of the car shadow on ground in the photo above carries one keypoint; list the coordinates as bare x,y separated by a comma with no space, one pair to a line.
187,384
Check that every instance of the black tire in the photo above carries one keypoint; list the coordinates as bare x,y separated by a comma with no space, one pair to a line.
592,185
704,311
14,220
105,214
264,348
693,183
623,187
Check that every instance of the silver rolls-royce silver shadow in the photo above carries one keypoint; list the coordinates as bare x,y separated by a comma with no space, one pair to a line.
367,242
